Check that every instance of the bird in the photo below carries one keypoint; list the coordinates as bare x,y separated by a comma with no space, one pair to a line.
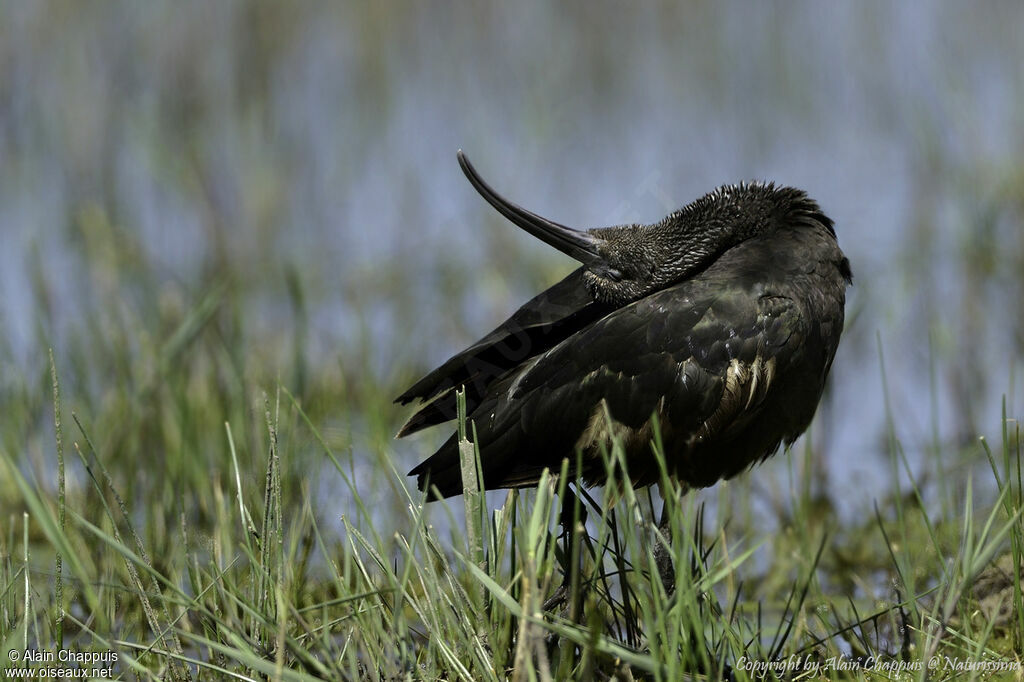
716,325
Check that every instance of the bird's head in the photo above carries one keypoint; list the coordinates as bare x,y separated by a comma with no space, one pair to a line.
627,262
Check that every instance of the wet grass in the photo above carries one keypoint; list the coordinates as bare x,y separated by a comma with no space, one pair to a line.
180,520
201,475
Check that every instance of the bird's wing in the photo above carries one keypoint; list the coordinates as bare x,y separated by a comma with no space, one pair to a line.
702,354
540,324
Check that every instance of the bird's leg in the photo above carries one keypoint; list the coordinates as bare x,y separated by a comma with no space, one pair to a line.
572,519
663,549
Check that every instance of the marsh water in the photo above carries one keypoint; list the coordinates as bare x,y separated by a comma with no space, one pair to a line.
312,149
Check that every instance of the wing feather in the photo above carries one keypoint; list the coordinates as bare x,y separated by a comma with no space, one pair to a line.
702,354
544,321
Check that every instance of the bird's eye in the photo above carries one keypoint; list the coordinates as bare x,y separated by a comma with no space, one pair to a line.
614,275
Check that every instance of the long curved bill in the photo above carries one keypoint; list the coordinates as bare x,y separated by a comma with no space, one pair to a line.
574,243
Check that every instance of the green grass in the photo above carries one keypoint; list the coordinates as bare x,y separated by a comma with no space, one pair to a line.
170,490
229,565
173,473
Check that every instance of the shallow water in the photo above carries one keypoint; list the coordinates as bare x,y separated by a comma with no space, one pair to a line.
324,139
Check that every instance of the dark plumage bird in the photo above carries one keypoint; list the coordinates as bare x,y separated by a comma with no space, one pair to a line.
722,320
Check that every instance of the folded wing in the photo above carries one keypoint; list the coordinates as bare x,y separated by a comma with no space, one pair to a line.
544,321
702,355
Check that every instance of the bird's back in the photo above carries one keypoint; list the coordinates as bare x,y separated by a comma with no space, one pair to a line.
728,360
732,363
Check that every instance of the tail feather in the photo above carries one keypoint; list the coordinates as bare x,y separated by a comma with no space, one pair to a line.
442,470
499,459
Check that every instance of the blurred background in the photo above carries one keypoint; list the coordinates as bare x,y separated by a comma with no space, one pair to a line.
200,202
